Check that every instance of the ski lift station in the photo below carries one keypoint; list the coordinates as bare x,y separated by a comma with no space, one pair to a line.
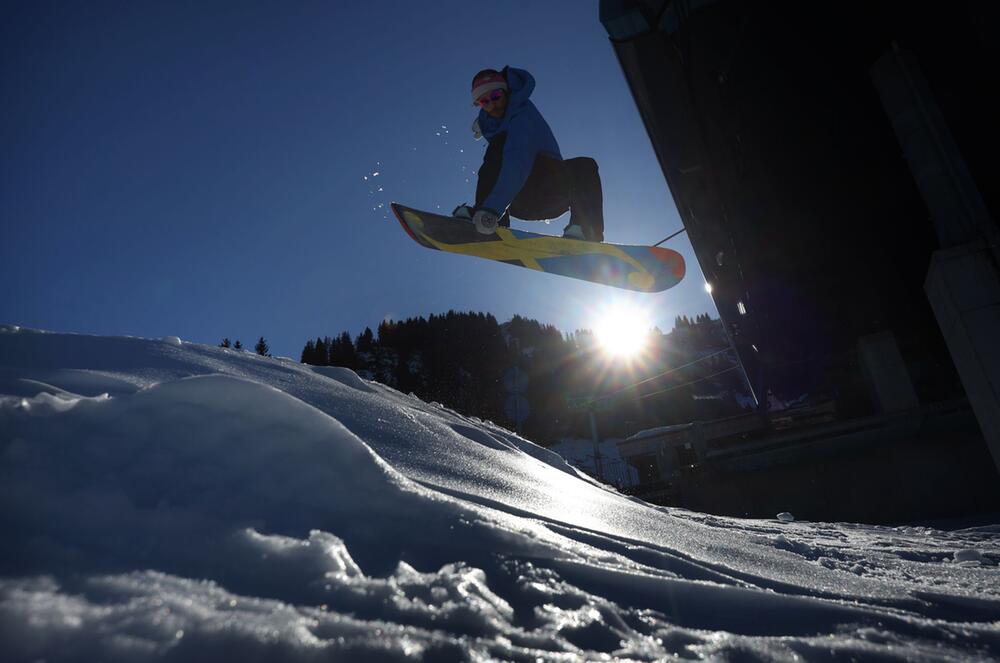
836,168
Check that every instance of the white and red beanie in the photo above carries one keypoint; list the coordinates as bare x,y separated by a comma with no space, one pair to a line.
485,83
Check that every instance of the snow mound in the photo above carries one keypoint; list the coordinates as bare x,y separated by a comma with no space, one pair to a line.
345,376
184,502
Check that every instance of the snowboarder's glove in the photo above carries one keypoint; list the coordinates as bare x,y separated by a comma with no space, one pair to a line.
485,221
477,133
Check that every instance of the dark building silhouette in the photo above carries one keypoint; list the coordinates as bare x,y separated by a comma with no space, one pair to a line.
792,183
836,168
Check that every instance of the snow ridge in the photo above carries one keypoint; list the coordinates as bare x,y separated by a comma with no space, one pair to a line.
165,499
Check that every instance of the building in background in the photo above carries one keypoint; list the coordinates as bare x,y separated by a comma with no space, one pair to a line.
836,167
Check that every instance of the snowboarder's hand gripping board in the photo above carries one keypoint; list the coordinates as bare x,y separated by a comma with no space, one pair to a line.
641,268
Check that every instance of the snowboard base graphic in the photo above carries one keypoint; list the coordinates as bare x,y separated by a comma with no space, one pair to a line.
640,268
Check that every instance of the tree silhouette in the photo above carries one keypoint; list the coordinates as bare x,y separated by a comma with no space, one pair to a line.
459,359
342,352
308,353
366,341
321,352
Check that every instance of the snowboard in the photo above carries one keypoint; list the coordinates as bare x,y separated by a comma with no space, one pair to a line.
640,268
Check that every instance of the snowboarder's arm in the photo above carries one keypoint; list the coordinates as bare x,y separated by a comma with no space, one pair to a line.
518,158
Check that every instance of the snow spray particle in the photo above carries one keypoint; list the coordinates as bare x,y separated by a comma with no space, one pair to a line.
376,192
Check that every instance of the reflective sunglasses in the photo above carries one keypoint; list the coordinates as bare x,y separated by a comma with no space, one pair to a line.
489,98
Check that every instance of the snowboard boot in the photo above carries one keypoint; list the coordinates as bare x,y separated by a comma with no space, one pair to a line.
575,231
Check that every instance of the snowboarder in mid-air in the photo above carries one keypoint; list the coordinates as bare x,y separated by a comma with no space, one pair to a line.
524,175
523,172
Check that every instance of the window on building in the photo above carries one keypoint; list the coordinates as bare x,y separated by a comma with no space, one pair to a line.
686,455
647,467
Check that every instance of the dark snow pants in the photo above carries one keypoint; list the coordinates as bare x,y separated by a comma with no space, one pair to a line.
552,187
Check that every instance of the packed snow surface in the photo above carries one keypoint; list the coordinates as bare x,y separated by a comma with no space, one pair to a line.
166,500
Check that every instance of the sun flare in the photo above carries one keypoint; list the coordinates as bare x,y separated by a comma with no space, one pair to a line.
622,331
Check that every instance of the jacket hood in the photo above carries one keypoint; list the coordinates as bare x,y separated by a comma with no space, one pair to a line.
520,86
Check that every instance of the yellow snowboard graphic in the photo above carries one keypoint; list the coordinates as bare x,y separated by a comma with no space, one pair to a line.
641,268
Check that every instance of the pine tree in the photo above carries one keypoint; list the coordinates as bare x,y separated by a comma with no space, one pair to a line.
321,356
261,348
342,351
308,353
225,343
366,341
237,345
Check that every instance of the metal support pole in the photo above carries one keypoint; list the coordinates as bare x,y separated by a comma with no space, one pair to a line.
597,446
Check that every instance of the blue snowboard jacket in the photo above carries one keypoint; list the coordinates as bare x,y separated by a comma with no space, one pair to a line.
528,135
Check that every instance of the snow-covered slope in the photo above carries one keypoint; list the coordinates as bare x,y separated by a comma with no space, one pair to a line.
160,499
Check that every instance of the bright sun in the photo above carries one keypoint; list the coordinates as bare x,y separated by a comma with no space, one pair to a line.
622,331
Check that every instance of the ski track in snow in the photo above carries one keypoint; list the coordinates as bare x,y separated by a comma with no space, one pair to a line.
162,499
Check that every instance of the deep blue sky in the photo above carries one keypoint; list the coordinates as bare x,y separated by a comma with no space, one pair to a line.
197,168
